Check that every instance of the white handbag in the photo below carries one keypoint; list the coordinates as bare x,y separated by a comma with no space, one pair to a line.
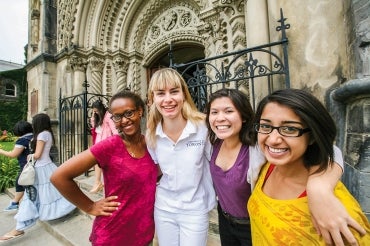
27,176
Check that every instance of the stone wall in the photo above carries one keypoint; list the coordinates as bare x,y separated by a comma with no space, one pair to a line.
351,107
353,104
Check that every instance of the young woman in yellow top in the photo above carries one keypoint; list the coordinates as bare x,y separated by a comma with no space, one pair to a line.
296,135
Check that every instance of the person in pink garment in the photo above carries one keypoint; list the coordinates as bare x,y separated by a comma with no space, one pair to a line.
125,215
102,127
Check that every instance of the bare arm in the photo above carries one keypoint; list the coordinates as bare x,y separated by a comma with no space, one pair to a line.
63,180
39,148
12,154
329,216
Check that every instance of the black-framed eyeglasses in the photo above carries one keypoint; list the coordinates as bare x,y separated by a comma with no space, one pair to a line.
286,131
127,114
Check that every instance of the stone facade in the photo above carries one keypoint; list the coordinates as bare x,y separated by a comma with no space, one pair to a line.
117,44
352,99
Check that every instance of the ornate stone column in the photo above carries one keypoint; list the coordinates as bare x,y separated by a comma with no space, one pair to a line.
120,67
78,66
96,83
135,84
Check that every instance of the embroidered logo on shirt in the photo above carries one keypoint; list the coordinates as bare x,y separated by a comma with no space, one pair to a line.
195,143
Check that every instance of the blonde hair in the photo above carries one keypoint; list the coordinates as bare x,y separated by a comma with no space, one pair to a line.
161,79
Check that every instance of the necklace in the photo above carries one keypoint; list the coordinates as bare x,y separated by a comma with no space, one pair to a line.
132,154
134,149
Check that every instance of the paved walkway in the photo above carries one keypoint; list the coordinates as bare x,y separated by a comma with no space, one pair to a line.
36,235
71,230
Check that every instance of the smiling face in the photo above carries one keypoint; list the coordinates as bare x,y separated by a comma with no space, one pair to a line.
131,125
224,119
280,150
169,101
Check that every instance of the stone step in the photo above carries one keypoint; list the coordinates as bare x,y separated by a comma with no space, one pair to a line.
71,230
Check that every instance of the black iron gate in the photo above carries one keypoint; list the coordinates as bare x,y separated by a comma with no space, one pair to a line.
74,122
240,69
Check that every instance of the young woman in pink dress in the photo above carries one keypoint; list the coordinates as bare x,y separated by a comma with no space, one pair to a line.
125,215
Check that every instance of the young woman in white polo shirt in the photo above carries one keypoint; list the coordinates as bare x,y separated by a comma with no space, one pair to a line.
177,141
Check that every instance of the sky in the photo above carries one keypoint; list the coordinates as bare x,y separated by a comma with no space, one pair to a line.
13,30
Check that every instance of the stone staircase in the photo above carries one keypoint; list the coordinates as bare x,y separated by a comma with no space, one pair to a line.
74,229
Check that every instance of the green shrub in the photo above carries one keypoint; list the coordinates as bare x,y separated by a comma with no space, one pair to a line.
9,168
9,137
8,146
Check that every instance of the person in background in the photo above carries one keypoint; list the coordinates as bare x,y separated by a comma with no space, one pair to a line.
125,215
177,141
296,134
23,130
102,127
43,201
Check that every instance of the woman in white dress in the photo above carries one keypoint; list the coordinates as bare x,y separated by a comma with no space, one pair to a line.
42,201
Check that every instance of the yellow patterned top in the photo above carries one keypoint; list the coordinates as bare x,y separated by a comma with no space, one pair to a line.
288,222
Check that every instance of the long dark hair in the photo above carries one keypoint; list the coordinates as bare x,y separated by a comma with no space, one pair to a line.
315,116
40,122
243,106
101,110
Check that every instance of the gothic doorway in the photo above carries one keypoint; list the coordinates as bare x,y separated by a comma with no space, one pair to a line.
181,53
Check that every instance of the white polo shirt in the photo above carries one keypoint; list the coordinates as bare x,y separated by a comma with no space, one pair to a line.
186,185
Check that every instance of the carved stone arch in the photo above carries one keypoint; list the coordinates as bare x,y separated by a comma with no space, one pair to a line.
96,21
108,25
173,24
125,17
87,23
143,18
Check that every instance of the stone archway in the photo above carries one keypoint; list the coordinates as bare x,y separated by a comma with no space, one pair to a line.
181,53
173,26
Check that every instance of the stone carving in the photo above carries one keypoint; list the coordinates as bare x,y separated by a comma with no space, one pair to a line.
66,11
185,19
108,78
213,28
77,63
156,31
169,21
97,64
179,20
35,24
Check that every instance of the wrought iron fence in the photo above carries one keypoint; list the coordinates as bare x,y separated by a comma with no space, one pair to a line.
239,69
74,122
